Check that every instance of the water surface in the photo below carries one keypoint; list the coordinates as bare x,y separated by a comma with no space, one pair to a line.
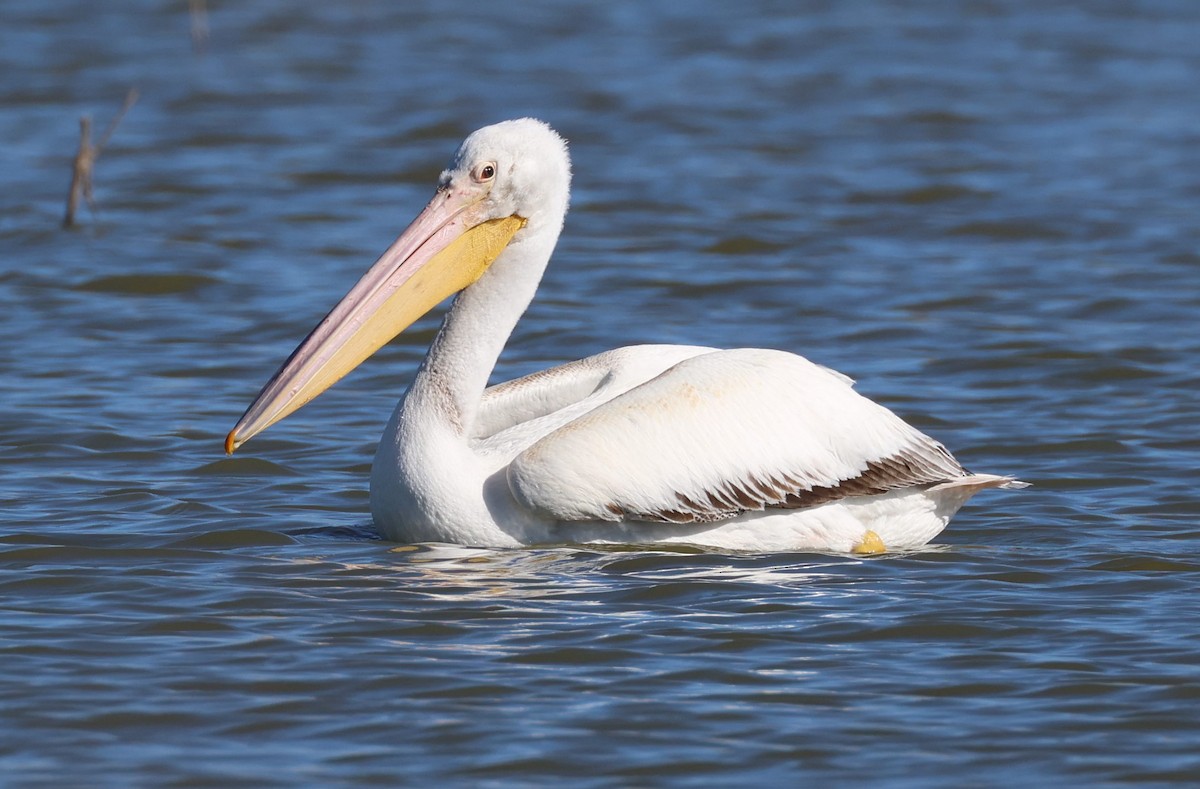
985,213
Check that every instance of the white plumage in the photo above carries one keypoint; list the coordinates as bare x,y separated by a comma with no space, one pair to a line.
738,449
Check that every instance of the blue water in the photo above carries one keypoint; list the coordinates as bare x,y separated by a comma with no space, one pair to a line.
985,213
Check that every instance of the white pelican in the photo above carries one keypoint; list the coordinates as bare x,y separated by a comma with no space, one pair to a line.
738,449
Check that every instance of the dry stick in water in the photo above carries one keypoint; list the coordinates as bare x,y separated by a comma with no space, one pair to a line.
85,159
199,16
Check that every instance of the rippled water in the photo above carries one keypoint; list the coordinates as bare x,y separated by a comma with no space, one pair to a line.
985,212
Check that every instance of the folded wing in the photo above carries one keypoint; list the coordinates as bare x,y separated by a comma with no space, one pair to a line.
723,433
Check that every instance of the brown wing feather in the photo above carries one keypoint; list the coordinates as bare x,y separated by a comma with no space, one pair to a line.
916,467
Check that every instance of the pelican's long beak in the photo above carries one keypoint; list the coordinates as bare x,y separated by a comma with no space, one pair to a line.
446,248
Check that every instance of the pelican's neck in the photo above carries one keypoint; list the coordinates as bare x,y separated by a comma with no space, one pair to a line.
464,352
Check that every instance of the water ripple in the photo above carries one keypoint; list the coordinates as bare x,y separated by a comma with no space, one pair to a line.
984,213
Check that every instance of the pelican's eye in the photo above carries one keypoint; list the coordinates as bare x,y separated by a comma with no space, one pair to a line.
484,172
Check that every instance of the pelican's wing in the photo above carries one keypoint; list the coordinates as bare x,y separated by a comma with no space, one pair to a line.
722,433
537,394
584,383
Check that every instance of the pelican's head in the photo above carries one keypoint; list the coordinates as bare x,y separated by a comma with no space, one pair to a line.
504,178
515,168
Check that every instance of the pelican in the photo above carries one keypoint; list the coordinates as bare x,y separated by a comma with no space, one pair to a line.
747,449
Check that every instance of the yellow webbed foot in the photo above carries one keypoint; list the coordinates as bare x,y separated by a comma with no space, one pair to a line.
869,545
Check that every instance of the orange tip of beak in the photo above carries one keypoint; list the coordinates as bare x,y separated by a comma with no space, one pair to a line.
229,445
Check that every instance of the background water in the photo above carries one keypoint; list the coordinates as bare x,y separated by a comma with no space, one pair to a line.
985,212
